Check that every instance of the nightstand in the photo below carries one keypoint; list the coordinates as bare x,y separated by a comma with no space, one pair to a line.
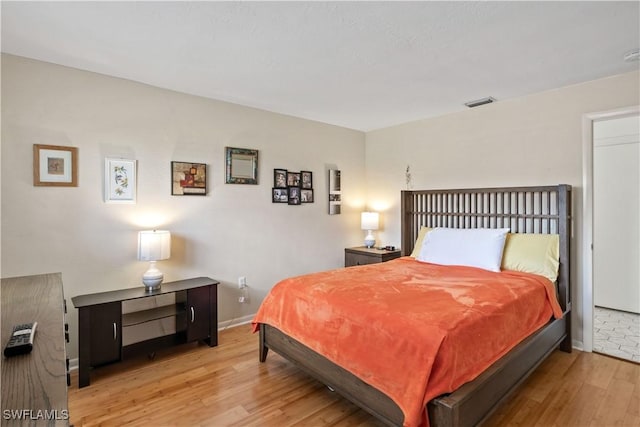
361,256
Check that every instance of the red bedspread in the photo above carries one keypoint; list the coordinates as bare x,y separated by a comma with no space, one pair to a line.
410,329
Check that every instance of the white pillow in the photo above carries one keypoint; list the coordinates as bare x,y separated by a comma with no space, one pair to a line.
472,247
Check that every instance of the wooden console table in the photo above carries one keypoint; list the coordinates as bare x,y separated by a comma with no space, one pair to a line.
34,385
101,321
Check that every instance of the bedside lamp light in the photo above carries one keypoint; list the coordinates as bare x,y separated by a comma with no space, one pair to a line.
153,245
369,222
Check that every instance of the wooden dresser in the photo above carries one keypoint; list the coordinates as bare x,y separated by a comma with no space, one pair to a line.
34,385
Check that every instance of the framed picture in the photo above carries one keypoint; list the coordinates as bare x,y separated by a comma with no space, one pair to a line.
280,178
241,166
54,165
293,179
335,192
119,180
280,195
294,196
188,179
306,195
306,179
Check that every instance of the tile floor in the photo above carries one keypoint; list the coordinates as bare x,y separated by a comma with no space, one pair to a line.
616,333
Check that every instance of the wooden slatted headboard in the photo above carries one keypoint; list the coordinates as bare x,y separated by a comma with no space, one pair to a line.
541,210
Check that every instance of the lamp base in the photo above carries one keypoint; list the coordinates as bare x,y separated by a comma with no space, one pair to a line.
369,240
152,278
152,287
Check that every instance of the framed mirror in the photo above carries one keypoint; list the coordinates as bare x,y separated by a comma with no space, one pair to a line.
241,166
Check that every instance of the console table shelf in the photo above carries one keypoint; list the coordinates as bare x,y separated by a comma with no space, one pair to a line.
101,321
138,317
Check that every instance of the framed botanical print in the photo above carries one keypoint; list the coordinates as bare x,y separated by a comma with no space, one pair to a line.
55,165
119,180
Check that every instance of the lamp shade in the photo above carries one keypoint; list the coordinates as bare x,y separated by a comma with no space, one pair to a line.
154,245
369,221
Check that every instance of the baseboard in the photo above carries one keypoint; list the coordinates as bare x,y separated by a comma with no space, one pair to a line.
238,321
578,345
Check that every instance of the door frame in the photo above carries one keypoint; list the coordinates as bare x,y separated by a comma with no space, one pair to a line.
587,214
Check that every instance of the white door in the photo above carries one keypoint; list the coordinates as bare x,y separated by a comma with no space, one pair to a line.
616,214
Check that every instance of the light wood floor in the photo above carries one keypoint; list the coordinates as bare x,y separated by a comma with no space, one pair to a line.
226,386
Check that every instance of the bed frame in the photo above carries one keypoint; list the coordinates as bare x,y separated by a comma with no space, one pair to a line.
545,210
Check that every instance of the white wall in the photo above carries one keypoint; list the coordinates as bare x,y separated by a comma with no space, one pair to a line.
234,231
532,140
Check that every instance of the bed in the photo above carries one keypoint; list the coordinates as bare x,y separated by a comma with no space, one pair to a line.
528,210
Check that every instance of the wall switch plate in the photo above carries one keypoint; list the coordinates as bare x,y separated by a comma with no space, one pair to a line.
242,282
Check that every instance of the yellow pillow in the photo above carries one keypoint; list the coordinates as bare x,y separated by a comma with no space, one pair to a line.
532,253
418,245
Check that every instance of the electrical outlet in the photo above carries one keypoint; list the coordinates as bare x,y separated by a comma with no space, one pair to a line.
244,295
242,282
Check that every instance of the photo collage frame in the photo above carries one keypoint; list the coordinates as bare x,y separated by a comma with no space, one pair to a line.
292,188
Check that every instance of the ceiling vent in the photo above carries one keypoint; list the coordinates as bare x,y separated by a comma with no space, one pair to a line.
479,102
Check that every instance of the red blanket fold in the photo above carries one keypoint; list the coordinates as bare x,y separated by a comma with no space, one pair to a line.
410,329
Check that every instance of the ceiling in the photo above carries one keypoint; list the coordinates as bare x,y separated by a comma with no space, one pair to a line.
360,65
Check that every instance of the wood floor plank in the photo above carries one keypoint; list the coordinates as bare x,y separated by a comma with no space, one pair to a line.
634,403
612,408
197,385
582,408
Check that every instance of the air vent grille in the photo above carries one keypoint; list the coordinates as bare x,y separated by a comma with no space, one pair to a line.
479,102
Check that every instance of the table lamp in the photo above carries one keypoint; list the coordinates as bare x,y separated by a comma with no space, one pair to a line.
369,222
153,245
